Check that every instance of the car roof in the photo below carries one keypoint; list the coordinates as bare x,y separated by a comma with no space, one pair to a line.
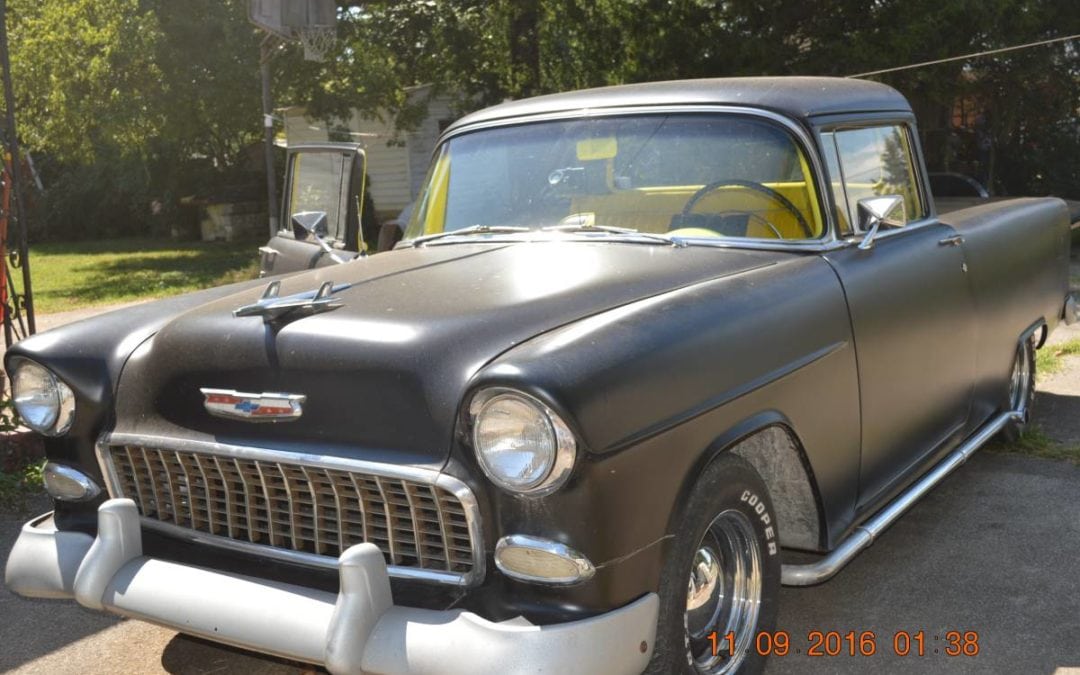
796,97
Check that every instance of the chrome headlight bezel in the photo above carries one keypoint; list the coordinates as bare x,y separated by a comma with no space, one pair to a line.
57,394
564,446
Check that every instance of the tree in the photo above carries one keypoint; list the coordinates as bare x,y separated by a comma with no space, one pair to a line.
148,98
85,75
128,101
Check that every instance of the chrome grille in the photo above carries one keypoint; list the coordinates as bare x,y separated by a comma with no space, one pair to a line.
316,511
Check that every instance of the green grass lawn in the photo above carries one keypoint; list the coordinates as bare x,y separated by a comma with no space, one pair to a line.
85,274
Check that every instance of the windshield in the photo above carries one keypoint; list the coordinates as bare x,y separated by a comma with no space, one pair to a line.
688,175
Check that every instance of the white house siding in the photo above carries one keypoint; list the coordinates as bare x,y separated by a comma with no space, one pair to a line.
421,142
387,165
396,165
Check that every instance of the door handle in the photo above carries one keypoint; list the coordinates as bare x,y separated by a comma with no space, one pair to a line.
954,240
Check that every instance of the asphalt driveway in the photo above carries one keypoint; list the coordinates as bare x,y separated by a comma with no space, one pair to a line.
995,550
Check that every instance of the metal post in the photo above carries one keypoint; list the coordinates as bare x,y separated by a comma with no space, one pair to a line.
16,172
266,52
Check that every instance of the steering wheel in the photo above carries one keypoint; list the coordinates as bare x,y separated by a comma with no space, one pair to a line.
757,187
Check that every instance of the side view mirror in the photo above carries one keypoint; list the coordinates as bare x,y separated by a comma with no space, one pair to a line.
314,223
310,222
873,211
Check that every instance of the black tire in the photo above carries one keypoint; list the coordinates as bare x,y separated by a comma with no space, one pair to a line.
1021,390
732,493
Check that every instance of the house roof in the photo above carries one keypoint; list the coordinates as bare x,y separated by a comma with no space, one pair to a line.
797,97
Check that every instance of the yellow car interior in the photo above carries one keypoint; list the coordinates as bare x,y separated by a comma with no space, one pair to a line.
753,211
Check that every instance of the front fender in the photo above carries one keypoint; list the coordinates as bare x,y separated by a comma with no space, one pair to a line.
650,387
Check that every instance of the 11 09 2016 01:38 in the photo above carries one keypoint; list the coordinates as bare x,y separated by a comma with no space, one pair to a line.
821,643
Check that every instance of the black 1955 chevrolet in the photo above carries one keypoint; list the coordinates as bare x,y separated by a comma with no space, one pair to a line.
638,345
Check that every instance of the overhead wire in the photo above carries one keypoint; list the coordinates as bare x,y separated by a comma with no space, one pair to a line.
965,57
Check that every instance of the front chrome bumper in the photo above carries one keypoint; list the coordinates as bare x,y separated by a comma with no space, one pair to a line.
359,630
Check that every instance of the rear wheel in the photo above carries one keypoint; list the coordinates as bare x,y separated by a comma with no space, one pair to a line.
1021,390
720,584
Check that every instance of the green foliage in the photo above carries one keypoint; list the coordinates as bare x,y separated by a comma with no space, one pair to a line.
1049,359
490,51
1035,443
107,271
9,418
19,485
129,101
126,102
86,75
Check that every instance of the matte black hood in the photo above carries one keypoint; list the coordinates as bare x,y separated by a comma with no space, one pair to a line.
385,373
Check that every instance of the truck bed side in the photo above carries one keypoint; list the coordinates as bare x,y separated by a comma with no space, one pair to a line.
1017,253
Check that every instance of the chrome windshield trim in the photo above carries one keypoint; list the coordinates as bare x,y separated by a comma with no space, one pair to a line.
744,243
431,477
802,137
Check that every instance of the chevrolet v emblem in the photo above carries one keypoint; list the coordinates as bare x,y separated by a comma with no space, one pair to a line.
265,407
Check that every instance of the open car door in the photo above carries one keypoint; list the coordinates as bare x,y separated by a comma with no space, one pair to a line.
328,178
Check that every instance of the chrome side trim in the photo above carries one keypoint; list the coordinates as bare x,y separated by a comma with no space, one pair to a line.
585,568
865,534
451,484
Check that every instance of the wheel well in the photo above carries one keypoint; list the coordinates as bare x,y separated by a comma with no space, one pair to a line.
1036,333
777,455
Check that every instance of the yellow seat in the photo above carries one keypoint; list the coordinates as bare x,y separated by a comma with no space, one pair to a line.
653,209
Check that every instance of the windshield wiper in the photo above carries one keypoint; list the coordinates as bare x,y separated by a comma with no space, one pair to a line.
474,229
623,231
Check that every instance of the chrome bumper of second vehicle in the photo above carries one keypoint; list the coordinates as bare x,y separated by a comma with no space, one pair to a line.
359,630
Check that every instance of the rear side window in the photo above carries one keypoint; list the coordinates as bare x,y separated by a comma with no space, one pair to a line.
874,161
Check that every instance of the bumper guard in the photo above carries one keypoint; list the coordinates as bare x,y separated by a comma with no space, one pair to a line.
359,630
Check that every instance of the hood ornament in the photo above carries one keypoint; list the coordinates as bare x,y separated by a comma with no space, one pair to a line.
265,407
274,308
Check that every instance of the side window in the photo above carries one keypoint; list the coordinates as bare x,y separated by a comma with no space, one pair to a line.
877,161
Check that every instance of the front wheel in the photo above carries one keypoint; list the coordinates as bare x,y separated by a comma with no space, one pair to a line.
721,581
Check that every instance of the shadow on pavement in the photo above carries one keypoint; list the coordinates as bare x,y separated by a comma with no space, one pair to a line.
30,629
186,655
992,550
1058,415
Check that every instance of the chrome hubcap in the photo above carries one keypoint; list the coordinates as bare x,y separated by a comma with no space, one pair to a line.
723,594
1020,385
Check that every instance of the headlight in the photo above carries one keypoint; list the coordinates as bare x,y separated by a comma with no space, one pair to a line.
46,404
522,445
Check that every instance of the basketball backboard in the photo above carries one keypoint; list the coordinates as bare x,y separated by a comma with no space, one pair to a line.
285,18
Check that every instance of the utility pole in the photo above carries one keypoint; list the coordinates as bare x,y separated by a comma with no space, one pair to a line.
266,53
16,178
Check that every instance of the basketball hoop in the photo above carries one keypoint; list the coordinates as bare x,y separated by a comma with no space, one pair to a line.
317,41
312,23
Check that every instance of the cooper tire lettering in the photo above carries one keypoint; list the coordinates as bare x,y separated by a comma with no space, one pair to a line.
730,497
